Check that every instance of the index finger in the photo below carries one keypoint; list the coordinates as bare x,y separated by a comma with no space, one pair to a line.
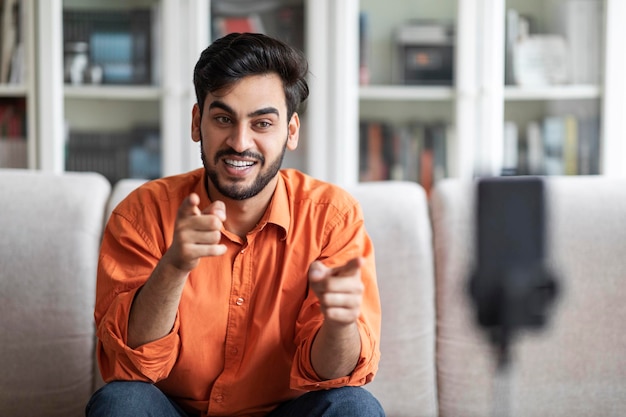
189,206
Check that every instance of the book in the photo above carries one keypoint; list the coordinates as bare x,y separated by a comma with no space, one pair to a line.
411,139
534,149
437,131
364,45
570,145
223,25
427,163
553,131
589,146
510,152
377,151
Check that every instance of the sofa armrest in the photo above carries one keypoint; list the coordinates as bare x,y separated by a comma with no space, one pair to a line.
51,230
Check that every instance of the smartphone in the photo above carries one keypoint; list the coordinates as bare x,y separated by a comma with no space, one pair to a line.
511,286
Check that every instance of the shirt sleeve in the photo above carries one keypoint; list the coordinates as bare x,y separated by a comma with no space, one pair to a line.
347,239
127,258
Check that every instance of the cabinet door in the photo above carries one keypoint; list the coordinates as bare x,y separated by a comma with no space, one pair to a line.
561,100
112,95
17,85
407,100
282,19
326,30
554,71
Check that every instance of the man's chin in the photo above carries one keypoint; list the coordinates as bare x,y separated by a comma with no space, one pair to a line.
236,190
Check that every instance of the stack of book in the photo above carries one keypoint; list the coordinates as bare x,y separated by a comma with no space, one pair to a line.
120,42
417,151
555,145
116,155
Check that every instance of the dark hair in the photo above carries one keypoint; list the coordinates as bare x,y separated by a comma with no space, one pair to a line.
237,55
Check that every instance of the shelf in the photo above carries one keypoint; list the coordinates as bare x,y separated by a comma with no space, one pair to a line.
110,92
406,93
561,92
11,90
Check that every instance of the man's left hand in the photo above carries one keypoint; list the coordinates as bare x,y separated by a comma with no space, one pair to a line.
339,290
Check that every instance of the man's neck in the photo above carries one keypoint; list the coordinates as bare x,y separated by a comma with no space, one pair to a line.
242,216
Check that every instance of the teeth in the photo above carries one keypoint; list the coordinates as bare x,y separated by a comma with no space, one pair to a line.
239,164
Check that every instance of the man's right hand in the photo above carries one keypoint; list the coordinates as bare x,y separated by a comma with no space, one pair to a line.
196,233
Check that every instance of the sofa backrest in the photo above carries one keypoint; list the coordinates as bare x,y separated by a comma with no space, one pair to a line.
576,366
51,227
397,220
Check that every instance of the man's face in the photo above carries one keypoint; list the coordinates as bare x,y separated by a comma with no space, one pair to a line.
244,131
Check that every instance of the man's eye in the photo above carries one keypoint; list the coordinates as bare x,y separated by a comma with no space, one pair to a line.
222,119
263,124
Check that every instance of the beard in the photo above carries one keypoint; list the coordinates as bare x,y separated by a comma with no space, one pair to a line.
236,191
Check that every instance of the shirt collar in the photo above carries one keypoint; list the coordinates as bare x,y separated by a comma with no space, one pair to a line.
278,212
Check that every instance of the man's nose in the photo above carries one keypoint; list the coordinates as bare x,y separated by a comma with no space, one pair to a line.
240,138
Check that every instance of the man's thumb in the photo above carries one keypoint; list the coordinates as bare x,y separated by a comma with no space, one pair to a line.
317,271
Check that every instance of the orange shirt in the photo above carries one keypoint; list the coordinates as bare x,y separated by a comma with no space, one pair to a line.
243,332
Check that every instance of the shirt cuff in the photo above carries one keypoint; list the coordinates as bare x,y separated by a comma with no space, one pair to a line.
304,377
152,361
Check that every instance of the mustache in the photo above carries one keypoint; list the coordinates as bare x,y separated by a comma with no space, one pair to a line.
245,154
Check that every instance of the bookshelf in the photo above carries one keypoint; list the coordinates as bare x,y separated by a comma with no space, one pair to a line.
480,103
474,107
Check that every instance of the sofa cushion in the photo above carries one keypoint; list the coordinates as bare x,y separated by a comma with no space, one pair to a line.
396,218
51,229
574,367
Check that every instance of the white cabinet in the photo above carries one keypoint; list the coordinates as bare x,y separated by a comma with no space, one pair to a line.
478,104
121,109
473,108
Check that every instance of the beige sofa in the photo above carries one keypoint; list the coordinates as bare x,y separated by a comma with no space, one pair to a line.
435,362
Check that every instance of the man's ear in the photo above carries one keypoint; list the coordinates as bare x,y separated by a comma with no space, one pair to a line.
196,118
293,132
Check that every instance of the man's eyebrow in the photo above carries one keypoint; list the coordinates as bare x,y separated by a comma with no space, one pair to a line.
264,110
217,104
260,112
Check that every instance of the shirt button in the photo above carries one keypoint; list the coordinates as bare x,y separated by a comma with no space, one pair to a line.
219,398
242,251
239,301
235,351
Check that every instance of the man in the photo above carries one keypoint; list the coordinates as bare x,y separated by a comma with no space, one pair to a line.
238,289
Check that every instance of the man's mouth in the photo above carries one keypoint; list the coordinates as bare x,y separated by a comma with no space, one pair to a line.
238,164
